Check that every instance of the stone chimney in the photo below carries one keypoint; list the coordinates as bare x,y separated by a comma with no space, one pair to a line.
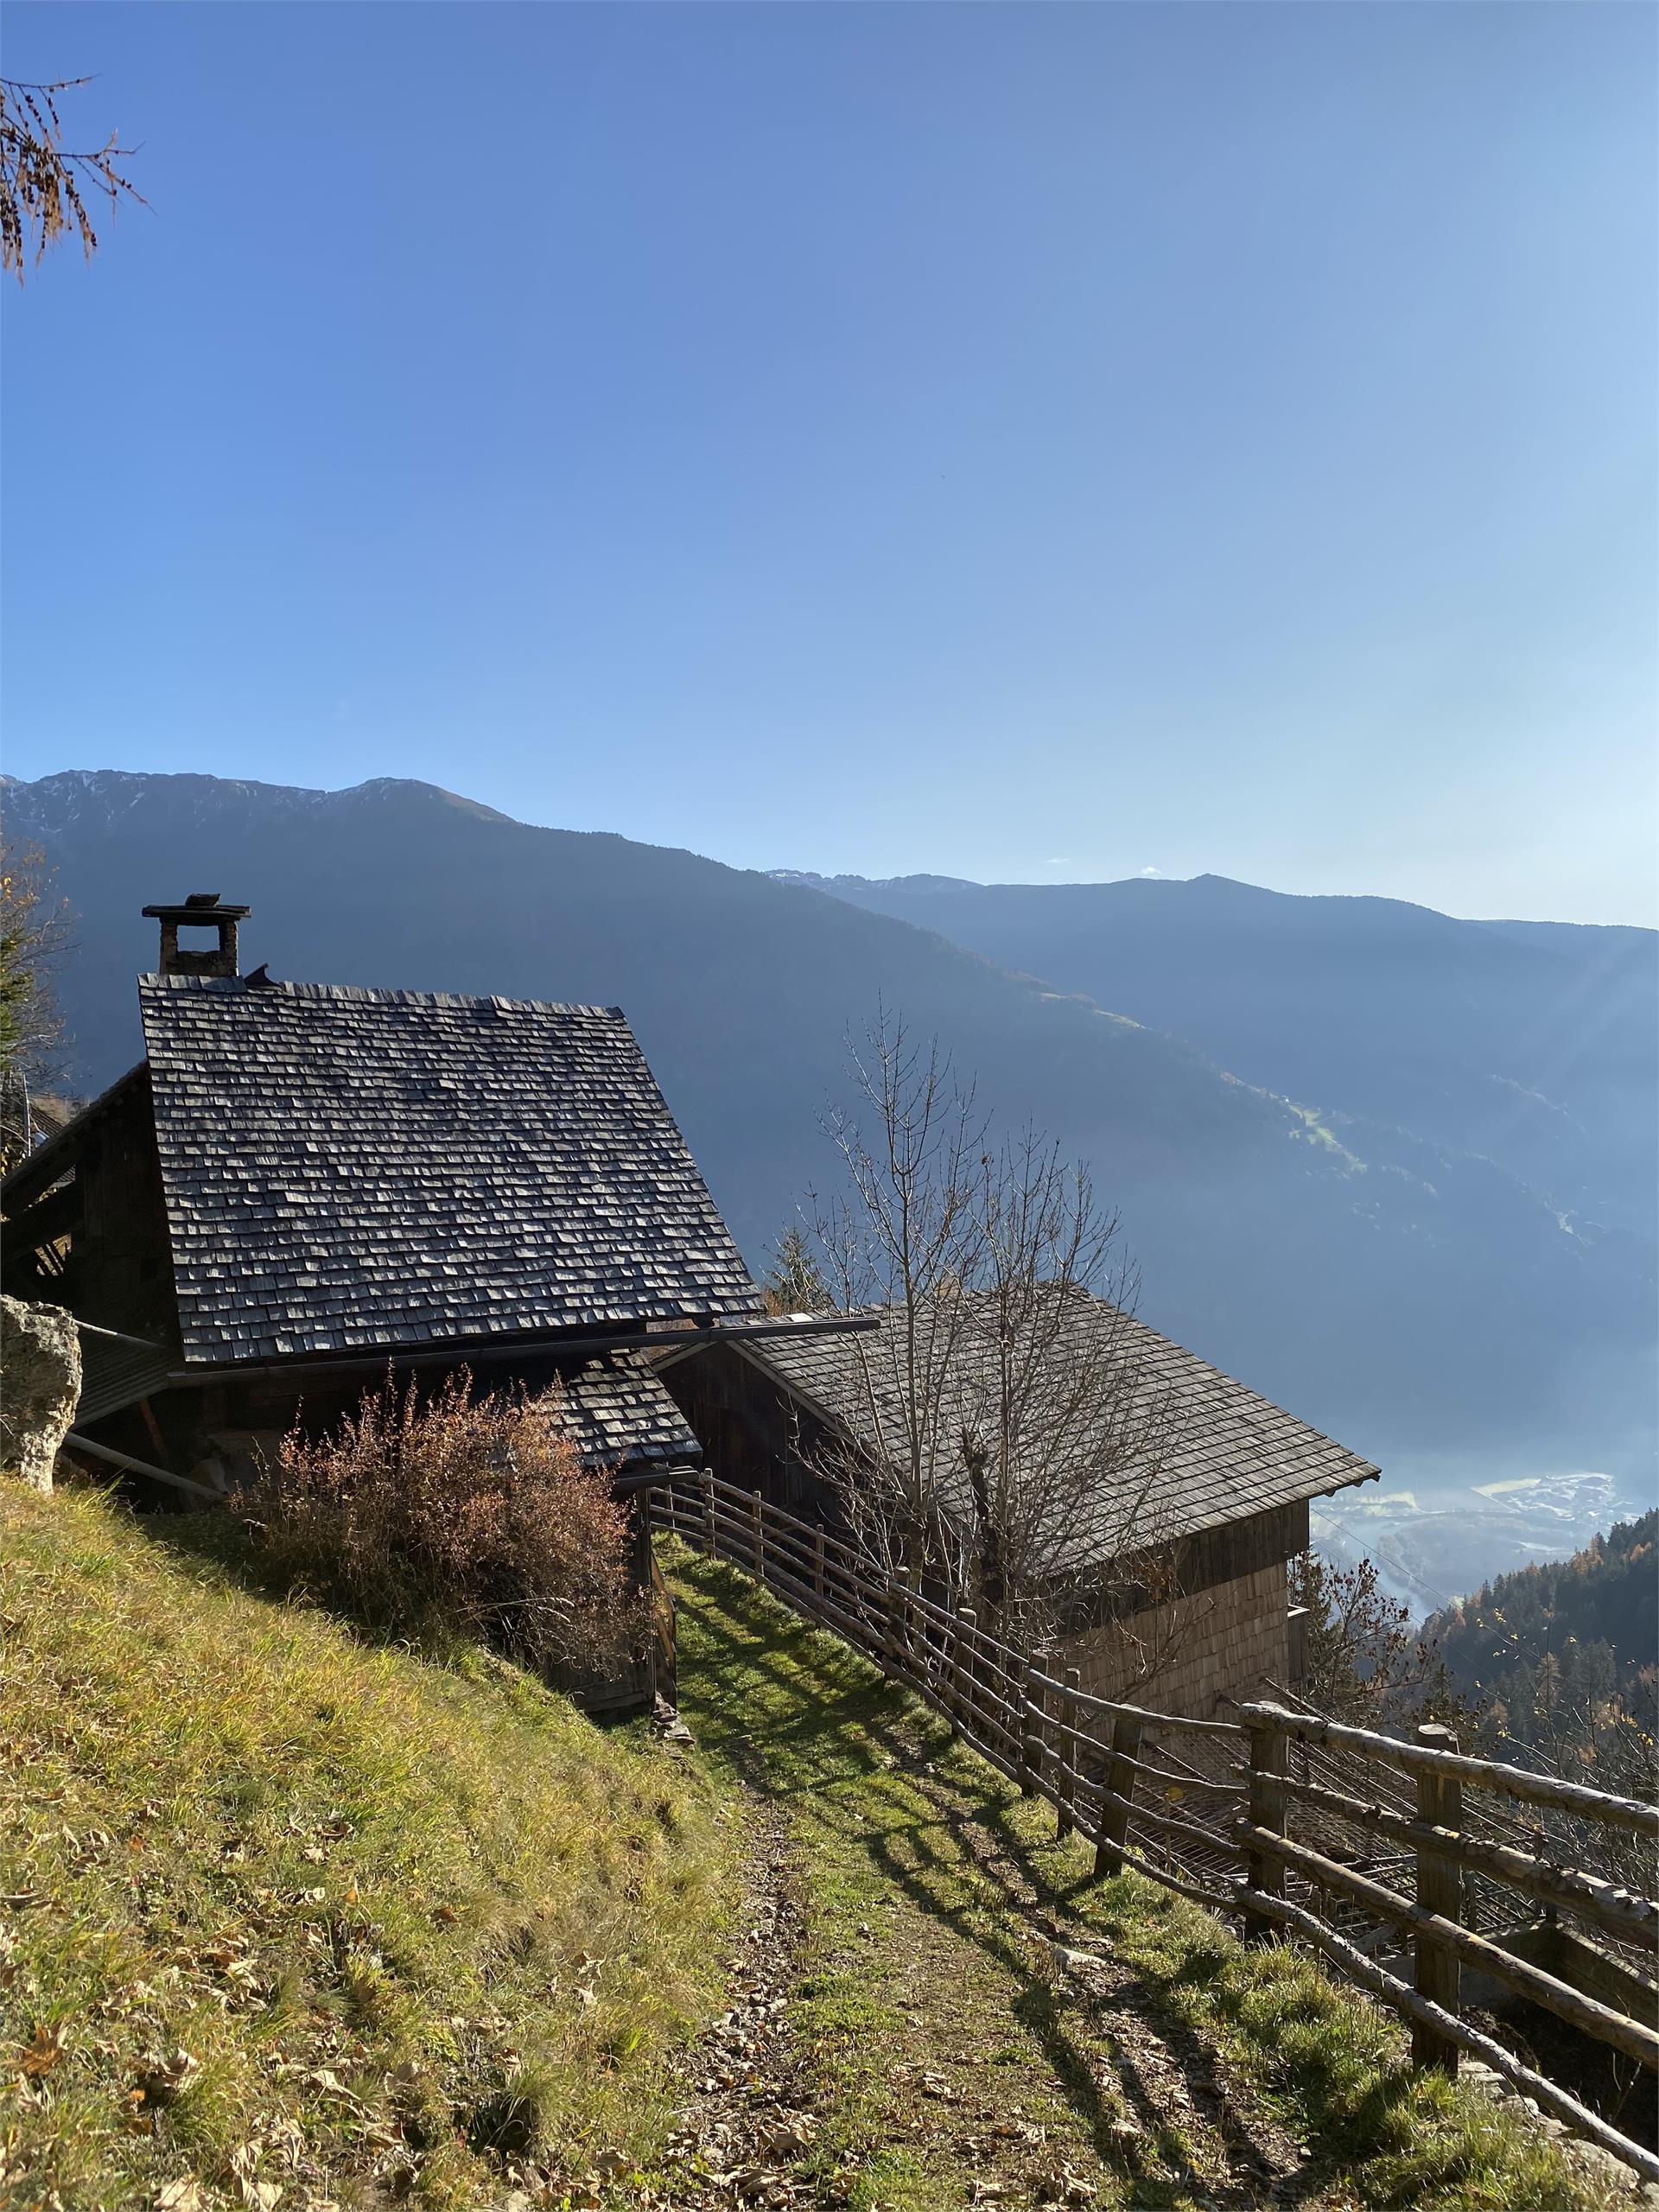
200,911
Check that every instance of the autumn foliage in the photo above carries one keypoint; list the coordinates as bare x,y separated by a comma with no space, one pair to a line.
438,1518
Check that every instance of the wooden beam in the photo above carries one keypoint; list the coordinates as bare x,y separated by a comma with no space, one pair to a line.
1435,1971
1491,1774
1269,1762
124,1460
1598,2021
1116,1813
1617,1912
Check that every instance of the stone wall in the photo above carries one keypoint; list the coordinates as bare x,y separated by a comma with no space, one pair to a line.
1221,1642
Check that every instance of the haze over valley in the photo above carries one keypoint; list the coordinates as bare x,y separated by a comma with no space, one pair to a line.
1389,1168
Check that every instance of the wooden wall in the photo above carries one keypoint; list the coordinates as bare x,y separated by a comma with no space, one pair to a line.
117,1265
122,1258
1185,1658
751,1431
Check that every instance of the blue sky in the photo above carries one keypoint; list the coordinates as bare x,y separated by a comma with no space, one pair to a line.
1021,442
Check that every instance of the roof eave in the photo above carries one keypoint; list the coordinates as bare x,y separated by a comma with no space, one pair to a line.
56,1156
578,1344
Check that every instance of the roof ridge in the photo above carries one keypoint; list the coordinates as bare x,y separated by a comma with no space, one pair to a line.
238,987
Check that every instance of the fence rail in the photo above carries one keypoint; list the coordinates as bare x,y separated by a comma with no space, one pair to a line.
1113,1774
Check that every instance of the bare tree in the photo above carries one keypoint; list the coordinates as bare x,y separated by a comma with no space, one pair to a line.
1010,1440
906,1236
43,182
1065,1432
34,937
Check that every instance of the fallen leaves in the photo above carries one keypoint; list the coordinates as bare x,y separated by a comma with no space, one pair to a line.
743,2128
180,2196
43,2052
162,2081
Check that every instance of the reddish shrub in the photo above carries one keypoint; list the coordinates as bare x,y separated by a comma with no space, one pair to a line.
437,1518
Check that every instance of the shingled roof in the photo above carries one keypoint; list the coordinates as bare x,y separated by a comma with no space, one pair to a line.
1224,1453
351,1169
618,1415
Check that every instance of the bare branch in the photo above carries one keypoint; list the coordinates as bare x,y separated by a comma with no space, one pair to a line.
1007,1440
42,181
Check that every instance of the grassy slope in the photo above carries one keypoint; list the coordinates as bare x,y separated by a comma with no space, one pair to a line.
1186,2070
390,1908
375,1901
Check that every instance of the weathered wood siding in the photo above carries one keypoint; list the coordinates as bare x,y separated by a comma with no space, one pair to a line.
121,1261
752,1433
117,1266
1221,1641
108,1204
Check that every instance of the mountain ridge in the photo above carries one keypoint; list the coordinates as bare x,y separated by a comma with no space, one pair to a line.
922,881
1376,1281
1531,1044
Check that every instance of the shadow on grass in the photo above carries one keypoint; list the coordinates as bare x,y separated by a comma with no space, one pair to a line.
812,1723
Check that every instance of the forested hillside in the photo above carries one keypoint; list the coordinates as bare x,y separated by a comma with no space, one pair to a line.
1558,1654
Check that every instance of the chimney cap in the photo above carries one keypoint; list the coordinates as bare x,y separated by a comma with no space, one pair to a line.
202,906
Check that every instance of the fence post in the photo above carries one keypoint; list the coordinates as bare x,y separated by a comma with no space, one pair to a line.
817,1565
890,1633
1034,1748
1065,1751
1269,1762
708,1545
1434,1970
757,1536
1025,1721
962,1696
1120,1779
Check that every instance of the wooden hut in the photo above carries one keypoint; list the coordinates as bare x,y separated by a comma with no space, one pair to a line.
1175,1591
302,1186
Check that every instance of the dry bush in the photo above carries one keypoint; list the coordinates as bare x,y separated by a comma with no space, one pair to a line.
437,1518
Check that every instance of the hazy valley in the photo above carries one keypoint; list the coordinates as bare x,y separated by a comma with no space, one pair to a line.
1383,1164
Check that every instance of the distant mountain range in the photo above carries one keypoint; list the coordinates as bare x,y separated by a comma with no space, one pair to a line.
1384,1166
1531,1045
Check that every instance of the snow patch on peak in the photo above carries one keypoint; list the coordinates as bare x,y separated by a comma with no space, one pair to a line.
96,796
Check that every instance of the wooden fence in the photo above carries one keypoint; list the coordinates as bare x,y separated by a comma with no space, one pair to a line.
1291,1791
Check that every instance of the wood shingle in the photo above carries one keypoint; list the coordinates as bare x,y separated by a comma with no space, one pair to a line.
351,1169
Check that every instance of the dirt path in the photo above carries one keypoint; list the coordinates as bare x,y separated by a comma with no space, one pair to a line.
747,2120
933,2008
1098,2094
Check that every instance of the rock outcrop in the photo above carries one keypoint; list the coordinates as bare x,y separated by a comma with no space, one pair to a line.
40,1388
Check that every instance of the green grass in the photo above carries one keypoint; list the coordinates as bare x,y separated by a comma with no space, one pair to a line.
404,1921
289,1918
935,2015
